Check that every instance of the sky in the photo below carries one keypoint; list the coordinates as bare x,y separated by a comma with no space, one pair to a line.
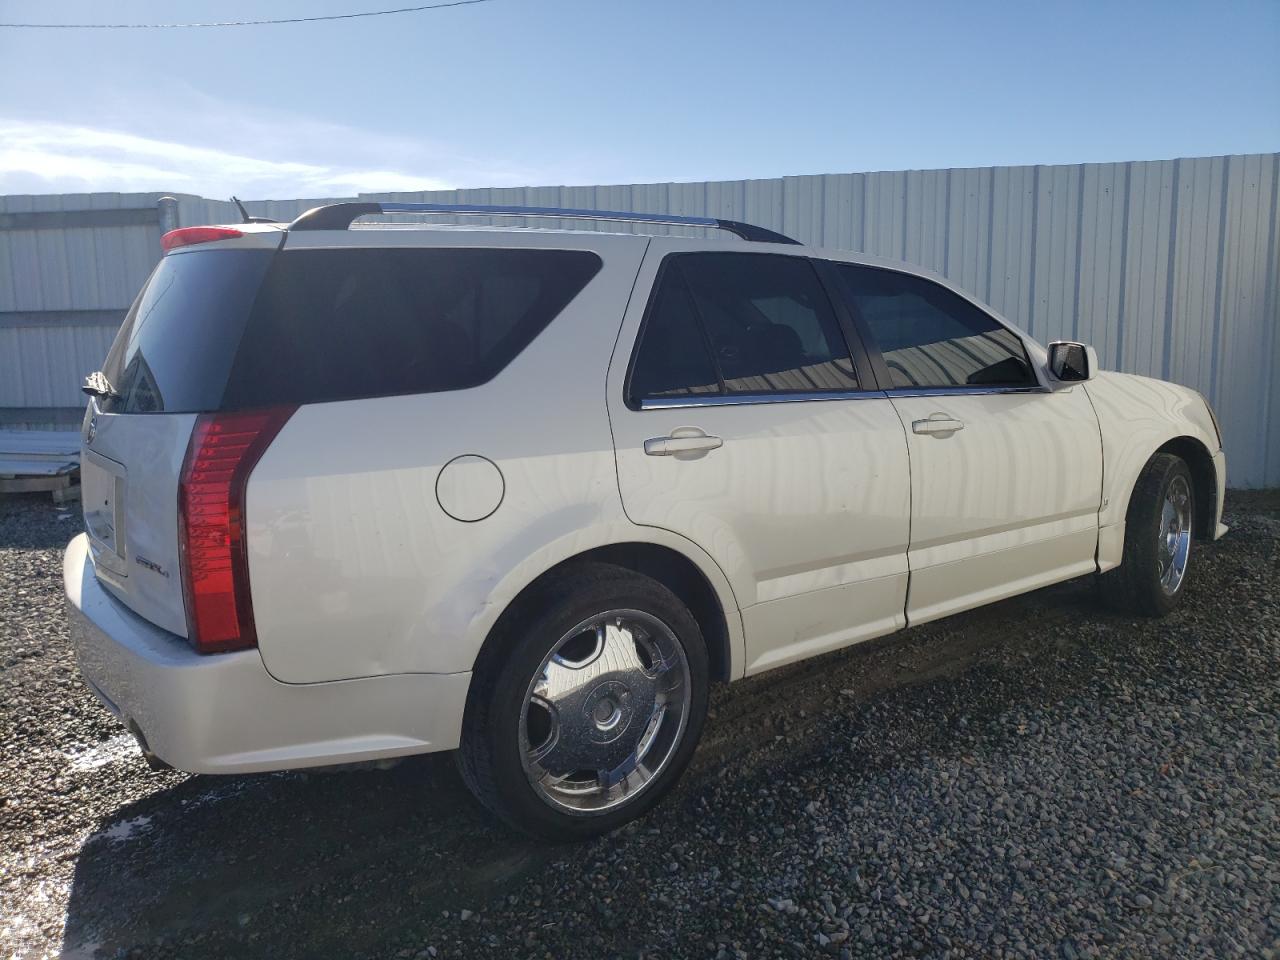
544,92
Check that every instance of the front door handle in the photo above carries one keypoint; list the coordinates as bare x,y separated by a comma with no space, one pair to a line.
938,425
689,441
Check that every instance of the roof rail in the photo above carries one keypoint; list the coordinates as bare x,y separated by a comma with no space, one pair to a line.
339,216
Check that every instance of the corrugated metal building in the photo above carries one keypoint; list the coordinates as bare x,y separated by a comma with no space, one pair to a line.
1170,268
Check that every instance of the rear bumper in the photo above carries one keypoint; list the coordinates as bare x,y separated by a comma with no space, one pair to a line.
225,713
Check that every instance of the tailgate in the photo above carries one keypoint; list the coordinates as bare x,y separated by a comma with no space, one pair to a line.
129,473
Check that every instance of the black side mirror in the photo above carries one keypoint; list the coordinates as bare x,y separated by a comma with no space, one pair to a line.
1072,362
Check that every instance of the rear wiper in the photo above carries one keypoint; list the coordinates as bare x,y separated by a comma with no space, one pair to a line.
96,384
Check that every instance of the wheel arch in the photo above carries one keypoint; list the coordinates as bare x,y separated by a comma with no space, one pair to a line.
1204,477
711,604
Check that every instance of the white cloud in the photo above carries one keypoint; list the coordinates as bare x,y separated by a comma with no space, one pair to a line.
40,157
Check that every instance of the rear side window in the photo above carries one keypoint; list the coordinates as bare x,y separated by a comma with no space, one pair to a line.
740,323
345,324
239,329
931,337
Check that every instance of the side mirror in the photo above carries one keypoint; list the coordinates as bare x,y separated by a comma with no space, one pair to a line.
1072,362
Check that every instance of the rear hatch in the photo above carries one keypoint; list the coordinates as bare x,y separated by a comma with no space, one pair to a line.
170,361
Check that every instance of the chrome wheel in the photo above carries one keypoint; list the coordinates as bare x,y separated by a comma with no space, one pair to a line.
1175,535
605,711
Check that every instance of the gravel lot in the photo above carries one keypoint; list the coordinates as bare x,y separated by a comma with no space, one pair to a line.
1035,779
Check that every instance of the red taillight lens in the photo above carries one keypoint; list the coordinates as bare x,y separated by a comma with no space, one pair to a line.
223,450
185,236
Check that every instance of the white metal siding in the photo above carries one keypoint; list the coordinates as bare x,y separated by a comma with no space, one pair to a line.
1169,268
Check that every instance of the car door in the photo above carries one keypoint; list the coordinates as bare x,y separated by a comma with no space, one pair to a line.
742,422
1006,475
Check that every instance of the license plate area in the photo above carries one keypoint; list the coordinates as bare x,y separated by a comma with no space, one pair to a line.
102,493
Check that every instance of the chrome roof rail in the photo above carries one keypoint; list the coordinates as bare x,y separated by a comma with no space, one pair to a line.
339,216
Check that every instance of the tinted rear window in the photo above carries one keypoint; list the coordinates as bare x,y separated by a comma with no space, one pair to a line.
335,324
180,337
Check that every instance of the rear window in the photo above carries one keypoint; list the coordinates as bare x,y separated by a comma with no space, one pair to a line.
179,339
236,329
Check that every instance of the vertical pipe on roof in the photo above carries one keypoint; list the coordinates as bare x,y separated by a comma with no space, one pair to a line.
168,207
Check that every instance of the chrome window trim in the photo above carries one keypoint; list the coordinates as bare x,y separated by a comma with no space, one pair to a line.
960,391
743,399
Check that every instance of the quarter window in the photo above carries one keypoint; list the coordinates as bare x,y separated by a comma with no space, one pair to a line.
673,359
931,337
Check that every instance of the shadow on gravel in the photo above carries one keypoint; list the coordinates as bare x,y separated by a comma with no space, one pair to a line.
247,855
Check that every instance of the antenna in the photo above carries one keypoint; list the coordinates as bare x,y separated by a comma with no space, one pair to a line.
244,214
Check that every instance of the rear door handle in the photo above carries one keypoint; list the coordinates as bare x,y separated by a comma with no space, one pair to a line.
937,425
683,440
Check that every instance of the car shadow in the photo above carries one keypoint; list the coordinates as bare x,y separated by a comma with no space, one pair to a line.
251,854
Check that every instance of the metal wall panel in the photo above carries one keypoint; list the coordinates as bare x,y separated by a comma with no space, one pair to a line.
1170,268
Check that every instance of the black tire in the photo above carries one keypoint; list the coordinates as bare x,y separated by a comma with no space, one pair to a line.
490,757
1135,587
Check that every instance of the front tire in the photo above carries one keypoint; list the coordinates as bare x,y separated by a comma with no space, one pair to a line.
1153,570
587,704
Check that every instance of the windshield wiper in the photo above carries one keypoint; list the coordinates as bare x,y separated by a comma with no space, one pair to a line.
96,384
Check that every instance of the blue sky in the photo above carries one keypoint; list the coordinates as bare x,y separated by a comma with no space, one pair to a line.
514,92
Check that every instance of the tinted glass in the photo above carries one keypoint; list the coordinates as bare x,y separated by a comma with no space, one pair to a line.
343,324
769,323
218,330
673,358
930,337
177,343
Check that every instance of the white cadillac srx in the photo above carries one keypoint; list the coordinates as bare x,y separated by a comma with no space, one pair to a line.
354,492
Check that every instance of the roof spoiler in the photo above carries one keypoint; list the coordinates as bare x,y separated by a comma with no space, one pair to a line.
339,216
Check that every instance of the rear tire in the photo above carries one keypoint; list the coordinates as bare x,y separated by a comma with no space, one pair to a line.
586,705
1153,570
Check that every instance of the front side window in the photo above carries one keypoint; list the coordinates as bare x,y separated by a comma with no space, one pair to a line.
740,323
931,337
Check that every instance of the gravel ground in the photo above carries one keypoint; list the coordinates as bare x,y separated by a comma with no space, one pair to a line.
1036,779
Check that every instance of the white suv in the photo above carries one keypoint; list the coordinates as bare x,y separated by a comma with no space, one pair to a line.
362,492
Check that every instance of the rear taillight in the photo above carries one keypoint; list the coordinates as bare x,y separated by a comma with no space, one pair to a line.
222,452
185,236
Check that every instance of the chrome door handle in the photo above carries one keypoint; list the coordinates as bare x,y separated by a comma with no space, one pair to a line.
683,440
938,425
